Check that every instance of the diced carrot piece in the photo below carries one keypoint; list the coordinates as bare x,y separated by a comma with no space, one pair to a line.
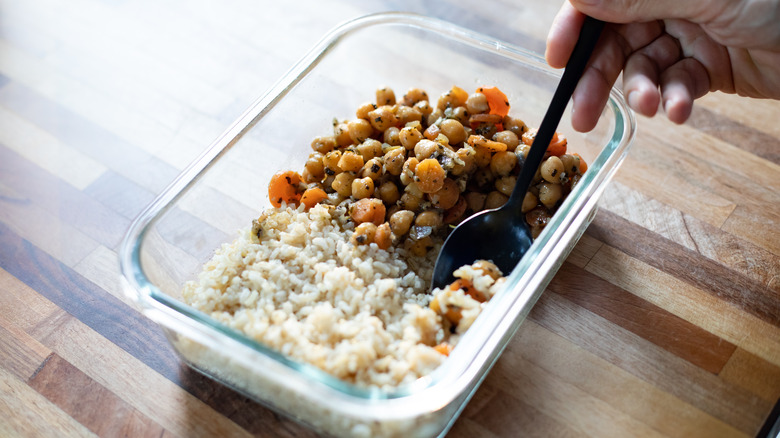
444,348
557,145
313,196
497,100
284,188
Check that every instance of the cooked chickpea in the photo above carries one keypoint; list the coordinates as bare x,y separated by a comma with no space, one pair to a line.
509,138
461,114
506,184
331,162
477,103
324,144
392,136
425,149
552,168
522,150
364,234
414,95
408,114
409,202
408,170
503,163
368,149
385,96
453,130
453,98
549,194
359,130
429,218
475,200
362,187
394,160
363,110
409,137
529,202
571,164
388,193
314,166
382,118
515,125
401,221
372,169
482,157
434,116
483,178
424,107
466,155
495,199
350,161
342,184
341,134
419,247
414,190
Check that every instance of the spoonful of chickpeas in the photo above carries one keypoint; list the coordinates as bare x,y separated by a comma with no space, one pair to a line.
502,235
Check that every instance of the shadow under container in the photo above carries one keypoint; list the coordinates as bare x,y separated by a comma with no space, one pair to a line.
226,187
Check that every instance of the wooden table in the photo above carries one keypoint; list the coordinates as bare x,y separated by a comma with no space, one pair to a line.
665,321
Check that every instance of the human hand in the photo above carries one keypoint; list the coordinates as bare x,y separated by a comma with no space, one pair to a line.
670,52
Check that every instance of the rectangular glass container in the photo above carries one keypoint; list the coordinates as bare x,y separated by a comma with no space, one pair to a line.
226,187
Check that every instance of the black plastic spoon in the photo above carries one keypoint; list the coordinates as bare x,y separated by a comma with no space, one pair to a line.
501,234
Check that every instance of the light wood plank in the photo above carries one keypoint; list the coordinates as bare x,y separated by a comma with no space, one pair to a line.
749,259
730,404
20,354
757,113
46,231
47,152
585,249
612,384
690,303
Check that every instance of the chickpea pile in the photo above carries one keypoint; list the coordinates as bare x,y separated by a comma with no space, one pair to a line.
408,169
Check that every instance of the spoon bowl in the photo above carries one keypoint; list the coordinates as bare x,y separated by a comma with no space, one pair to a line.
502,235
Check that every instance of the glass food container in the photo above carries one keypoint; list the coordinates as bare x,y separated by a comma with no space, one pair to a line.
226,187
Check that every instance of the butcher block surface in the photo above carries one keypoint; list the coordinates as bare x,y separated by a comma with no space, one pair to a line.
663,322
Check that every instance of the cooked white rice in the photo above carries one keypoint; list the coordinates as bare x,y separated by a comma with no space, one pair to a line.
359,313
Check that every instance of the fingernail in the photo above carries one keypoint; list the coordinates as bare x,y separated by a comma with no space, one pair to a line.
633,100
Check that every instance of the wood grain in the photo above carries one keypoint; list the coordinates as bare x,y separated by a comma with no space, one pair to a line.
664,321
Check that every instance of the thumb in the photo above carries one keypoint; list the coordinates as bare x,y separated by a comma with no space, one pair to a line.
628,11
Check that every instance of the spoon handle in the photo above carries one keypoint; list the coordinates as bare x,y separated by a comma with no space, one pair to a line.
589,36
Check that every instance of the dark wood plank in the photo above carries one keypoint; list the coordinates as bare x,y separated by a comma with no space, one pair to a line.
638,316
101,311
91,404
669,256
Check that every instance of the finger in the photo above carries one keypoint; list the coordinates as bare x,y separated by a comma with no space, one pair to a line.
589,99
600,75
563,35
629,11
681,83
641,75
